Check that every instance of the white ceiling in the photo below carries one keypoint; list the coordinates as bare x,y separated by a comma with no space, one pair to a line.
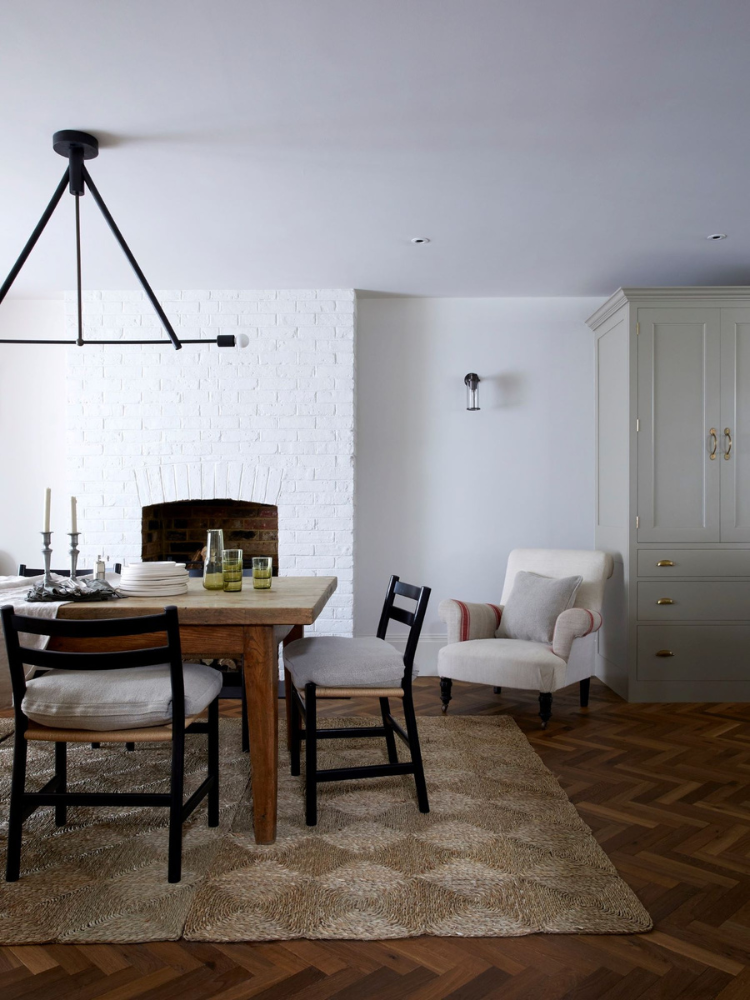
547,147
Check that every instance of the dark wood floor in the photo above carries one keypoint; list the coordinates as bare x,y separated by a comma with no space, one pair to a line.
666,789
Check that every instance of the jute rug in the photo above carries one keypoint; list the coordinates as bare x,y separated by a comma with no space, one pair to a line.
502,853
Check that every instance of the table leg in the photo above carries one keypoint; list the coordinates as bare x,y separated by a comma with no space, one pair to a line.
297,632
262,686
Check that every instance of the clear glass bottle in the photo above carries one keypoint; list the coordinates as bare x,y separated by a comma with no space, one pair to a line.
213,567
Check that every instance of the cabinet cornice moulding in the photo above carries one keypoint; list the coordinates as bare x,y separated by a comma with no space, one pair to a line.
708,293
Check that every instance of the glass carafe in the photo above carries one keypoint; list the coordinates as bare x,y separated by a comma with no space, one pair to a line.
213,567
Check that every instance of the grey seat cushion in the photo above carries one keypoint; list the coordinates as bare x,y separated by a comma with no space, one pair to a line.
335,661
534,605
105,700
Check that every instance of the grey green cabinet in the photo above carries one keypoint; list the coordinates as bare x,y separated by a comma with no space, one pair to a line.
673,491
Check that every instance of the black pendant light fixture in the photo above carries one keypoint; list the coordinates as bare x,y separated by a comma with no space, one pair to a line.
78,147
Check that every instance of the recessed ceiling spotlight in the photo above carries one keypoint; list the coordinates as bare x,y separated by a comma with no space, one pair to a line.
717,236
420,239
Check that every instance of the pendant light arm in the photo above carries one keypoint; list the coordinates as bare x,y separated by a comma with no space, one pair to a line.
79,292
131,259
34,236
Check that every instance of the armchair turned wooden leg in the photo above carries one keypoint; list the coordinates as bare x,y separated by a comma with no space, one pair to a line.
585,686
445,692
545,708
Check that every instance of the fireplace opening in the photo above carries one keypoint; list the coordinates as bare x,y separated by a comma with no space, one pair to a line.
177,530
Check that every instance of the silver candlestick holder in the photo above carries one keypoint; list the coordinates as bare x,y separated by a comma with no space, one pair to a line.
74,536
47,553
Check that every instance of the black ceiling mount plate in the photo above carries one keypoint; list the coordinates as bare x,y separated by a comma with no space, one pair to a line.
63,142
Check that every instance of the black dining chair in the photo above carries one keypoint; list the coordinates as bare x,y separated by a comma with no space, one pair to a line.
64,706
339,667
24,570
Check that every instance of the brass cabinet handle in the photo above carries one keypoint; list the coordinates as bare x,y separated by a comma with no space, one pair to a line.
728,449
665,562
665,600
714,444
664,652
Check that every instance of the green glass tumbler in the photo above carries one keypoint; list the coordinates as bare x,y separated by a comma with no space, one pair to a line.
232,569
262,572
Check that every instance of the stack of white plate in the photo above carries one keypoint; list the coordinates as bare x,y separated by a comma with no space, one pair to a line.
154,579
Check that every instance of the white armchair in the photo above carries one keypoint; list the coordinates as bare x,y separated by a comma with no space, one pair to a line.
474,653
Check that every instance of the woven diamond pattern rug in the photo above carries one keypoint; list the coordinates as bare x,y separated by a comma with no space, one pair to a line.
502,852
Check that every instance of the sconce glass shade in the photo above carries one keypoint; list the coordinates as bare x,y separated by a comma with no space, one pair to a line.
471,381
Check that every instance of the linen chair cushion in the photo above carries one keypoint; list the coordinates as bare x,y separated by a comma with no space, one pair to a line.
535,604
514,663
336,661
104,700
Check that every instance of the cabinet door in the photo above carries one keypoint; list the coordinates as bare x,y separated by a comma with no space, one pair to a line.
679,352
735,425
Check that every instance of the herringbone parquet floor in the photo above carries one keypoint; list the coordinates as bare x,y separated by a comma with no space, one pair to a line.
666,790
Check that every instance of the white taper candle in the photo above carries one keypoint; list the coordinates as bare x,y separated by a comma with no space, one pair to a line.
47,503
73,517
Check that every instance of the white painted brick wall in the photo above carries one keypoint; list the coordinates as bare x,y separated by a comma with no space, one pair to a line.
210,421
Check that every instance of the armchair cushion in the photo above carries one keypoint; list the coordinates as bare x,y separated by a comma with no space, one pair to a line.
534,605
510,663
131,698
469,621
575,623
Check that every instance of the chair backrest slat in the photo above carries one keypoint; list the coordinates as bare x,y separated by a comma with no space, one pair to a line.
407,590
54,659
414,619
98,628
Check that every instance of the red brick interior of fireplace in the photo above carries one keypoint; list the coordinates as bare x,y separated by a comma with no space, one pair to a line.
178,530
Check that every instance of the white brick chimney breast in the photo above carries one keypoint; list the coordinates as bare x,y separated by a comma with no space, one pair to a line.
271,420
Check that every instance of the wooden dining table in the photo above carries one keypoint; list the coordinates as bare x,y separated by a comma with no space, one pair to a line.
234,625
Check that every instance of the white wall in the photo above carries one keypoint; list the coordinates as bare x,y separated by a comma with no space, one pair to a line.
443,494
32,432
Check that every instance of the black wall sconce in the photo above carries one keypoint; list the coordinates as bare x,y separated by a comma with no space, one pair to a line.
77,147
471,381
